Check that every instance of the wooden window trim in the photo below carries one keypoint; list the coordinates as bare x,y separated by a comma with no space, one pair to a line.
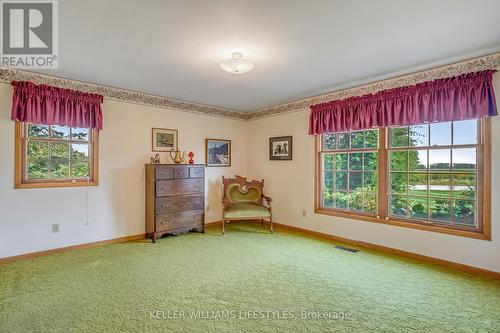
20,164
483,231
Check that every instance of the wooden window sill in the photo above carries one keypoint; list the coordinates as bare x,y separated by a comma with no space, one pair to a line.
408,224
55,184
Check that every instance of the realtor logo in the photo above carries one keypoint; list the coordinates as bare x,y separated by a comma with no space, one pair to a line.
29,34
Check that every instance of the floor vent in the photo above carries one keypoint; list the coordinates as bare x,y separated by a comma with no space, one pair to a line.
340,247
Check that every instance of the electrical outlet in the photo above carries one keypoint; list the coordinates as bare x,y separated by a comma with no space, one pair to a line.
55,228
304,214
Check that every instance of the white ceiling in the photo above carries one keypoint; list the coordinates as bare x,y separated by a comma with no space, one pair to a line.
300,48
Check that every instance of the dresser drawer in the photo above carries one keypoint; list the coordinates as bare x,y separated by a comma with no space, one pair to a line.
196,172
179,204
179,187
181,172
179,220
164,173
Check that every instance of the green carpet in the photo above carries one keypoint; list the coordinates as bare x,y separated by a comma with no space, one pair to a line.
246,281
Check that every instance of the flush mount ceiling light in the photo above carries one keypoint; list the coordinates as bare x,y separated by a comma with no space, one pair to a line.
237,65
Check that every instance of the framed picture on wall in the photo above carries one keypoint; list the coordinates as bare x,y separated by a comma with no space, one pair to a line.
164,139
280,148
218,153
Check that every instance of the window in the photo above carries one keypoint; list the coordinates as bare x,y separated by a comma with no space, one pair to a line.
429,176
349,171
55,156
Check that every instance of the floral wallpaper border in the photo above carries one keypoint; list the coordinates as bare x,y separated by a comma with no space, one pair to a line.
478,64
9,75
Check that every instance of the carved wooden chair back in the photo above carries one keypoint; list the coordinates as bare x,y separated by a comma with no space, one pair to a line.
239,190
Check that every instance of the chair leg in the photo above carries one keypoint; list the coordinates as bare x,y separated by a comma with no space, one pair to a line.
223,226
271,222
261,222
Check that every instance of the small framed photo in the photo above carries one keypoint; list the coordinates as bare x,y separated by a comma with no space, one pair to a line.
280,148
164,139
218,153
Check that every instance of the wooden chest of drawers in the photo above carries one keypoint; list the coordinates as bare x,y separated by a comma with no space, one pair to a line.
175,199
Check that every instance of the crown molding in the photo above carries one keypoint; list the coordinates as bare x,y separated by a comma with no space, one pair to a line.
473,65
9,75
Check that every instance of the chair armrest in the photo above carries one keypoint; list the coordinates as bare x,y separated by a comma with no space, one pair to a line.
268,200
225,202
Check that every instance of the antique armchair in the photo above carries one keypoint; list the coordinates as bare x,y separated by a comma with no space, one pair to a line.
243,200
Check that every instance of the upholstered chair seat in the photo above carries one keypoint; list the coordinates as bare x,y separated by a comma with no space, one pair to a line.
246,210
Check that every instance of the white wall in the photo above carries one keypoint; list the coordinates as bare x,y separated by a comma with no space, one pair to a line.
116,206
291,184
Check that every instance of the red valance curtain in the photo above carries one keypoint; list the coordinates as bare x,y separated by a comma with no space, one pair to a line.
42,104
462,97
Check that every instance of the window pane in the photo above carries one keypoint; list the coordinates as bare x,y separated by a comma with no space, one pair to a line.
370,161
370,181
355,160
440,210
340,200
418,184
417,160
399,137
341,161
370,204
398,182
464,212
80,170
59,160
440,134
59,132
38,131
79,152
398,161
464,186
327,198
418,207
355,181
343,141
398,205
327,161
80,134
465,132
357,139
356,200
419,135
371,138
341,180
464,160
38,160
440,185
439,160
328,179
328,141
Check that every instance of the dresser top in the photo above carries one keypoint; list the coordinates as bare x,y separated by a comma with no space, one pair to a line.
174,165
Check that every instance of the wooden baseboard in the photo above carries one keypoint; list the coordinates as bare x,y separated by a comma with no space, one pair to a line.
211,224
390,250
69,248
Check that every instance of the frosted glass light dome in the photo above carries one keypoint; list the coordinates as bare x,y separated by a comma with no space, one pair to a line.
237,65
